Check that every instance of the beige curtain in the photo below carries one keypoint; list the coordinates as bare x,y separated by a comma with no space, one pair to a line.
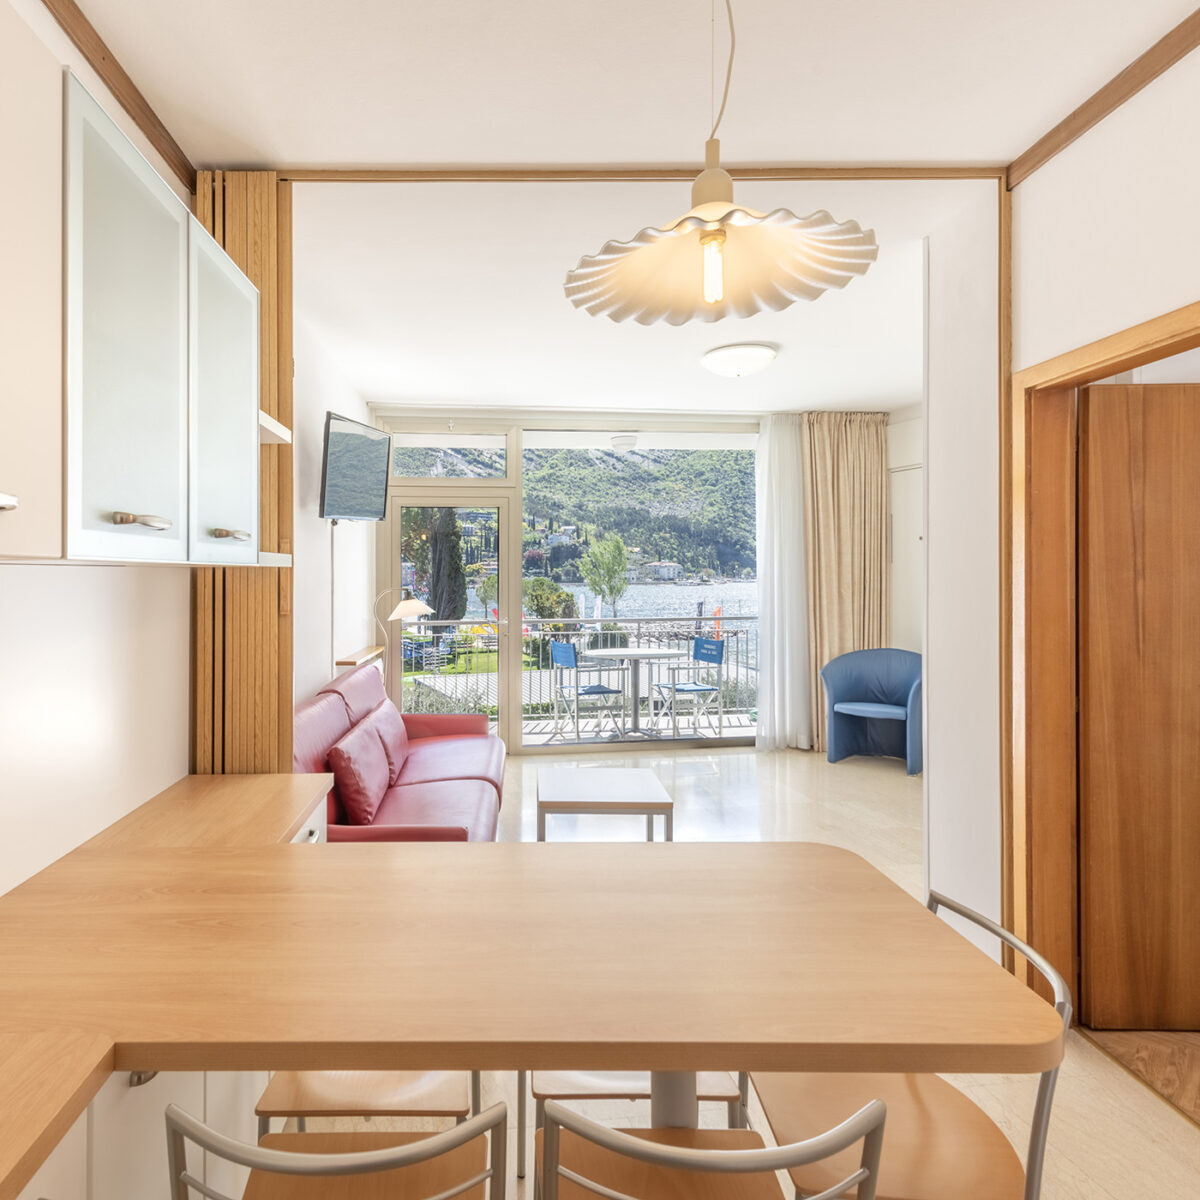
844,463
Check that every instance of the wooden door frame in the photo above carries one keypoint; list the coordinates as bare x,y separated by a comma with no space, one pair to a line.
1039,790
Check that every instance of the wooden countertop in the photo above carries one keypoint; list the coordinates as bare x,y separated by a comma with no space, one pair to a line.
50,1069
214,811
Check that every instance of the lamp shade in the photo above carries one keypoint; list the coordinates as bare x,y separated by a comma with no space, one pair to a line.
719,260
409,608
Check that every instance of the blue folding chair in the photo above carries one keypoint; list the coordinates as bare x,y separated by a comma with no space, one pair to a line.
698,684
572,692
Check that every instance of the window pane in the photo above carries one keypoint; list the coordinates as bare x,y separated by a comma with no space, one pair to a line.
449,456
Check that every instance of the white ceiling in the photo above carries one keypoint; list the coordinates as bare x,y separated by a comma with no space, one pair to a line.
451,294
440,294
368,82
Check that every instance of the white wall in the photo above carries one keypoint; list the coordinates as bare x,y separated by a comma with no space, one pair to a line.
962,666
906,456
318,387
1105,234
94,670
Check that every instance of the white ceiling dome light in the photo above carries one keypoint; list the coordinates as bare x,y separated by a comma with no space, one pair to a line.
720,259
622,443
742,358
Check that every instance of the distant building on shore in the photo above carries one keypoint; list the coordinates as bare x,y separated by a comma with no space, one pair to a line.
667,572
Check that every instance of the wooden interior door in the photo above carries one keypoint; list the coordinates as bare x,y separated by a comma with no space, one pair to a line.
1139,706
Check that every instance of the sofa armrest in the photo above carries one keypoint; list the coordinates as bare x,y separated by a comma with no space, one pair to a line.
422,725
397,833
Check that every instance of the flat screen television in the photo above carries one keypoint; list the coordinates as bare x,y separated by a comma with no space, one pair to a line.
354,470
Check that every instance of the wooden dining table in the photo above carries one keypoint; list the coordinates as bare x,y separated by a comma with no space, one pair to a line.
139,952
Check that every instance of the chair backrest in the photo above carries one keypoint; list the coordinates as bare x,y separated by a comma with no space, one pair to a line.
884,675
865,1125
562,654
1062,1005
182,1128
708,650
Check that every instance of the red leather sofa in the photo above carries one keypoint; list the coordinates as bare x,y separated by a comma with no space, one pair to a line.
398,777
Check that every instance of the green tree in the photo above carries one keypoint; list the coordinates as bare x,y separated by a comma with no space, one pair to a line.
447,580
545,599
604,569
488,591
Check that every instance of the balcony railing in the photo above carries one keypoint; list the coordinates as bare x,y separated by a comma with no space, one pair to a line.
452,666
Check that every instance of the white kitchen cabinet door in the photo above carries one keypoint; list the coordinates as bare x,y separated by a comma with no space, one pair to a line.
127,1134
223,373
63,1176
127,250
229,1100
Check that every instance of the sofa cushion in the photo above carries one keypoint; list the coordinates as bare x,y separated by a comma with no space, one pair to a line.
470,803
360,767
361,690
439,758
389,724
317,724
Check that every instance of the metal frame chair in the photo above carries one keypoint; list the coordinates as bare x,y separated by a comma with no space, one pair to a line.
1035,1157
182,1127
707,653
366,1094
712,1086
569,696
866,1126
792,1101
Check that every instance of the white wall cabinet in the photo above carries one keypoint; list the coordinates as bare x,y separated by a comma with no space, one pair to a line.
127,1136
127,347
223,388
161,366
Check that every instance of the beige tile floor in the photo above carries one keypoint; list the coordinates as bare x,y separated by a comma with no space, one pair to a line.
1111,1138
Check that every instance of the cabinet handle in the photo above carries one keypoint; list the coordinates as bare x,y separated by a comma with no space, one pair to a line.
238,535
148,519
8,502
312,835
138,1078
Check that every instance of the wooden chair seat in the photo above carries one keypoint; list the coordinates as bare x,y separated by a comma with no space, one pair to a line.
623,1085
414,1182
366,1094
647,1181
938,1144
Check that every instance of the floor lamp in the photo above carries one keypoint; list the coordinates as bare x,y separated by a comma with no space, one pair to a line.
408,609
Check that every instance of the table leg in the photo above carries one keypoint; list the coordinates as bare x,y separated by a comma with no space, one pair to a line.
522,1088
673,1102
649,827
541,828
669,826
635,686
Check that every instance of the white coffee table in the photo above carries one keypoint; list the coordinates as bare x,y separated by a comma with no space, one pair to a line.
599,790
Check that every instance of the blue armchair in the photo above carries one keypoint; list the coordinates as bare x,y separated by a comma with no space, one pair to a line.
874,699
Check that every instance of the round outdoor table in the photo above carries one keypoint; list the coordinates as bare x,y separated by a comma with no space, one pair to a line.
635,656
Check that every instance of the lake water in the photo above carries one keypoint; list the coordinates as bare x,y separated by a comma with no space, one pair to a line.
736,598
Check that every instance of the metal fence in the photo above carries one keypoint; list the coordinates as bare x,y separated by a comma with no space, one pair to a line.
452,666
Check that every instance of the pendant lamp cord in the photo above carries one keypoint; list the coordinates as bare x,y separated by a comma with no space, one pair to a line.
728,69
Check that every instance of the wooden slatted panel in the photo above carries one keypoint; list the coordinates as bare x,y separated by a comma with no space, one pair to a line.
242,642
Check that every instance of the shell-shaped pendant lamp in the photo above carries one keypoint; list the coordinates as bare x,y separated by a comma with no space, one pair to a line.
720,260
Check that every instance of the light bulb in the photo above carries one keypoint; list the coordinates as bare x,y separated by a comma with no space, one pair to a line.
713,245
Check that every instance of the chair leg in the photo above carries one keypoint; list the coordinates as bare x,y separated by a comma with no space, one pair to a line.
264,1127
301,1124
476,1094
522,1088
735,1116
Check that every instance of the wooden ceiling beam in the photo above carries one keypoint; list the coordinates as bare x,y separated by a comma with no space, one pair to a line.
1163,55
102,60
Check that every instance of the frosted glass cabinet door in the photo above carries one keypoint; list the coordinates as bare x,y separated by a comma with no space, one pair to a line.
126,347
223,487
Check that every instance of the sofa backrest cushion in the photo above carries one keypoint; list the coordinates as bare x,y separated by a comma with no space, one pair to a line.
361,689
389,724
317,724
360,767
